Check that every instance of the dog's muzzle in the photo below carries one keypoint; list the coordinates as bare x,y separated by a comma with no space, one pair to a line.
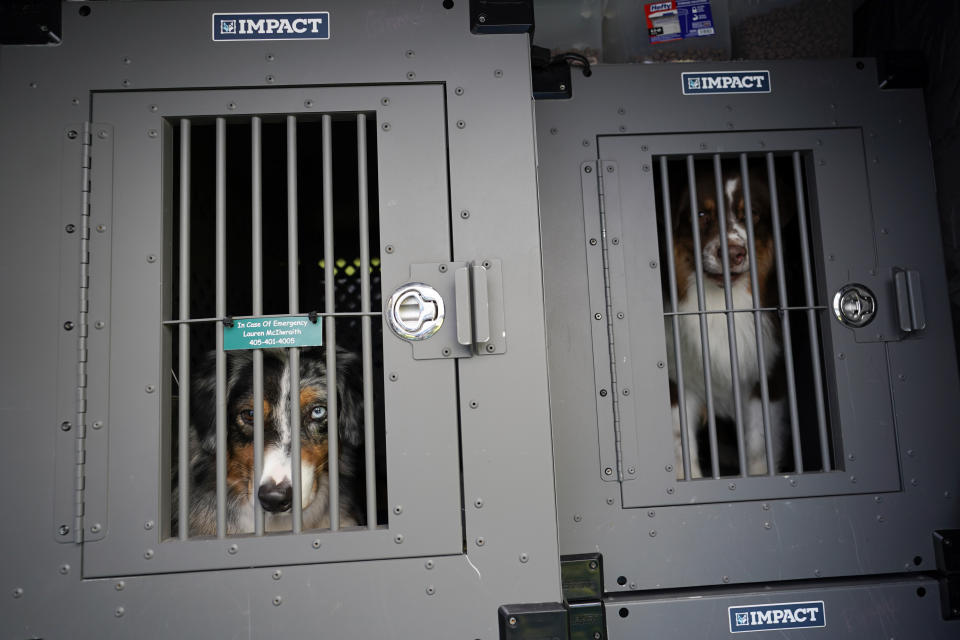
275,498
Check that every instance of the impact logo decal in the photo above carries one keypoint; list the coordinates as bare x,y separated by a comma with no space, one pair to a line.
310,25
786,615
707,82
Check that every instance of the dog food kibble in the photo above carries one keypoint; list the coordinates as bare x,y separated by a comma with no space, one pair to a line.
807,29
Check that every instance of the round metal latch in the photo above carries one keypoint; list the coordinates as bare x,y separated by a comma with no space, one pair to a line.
854,305
415,311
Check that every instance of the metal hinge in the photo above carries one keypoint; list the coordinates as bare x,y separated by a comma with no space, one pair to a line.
450,310
614,386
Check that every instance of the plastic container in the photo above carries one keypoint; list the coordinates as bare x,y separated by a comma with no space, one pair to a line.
669,31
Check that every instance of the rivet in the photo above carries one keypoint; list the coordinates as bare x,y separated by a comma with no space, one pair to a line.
670,490
65,426
430,590
33,85
148,525
586,143
653,533
269,57
622,128
524,558
95,528
149,388
913,482
64,569
765,506
410,53
732,486
901,377
98,424
883,230
626,392
464,214
148,554
389,248
316,543
653,264
63,530
651,513
119,611
72,134
151,258
608,471
603,393
480,541
442,268
631,470
609,168
620,315
644,147
446,352
645,168
99,324
498,73
152,133
385,101
766,525
397,510
512,621
911,452
232,106
878,499
660,364
101,228
277,601
621,111
125,83
881,519
491,348
816,572
232,549
398,538
277,574
120,586
593,242
308,104
610,501
841,355
596,316
154,108
726,579
729,125
75,102
478,503
411,75
554,131
668,468
270,79
461,124
18,592
458,91
68,325
577,517
793,482
615,241
429,564
385,126
393,376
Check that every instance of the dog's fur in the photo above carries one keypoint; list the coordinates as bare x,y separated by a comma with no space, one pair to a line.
711,236
273,487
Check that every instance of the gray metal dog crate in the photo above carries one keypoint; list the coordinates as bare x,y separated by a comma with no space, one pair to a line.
853,506
517,478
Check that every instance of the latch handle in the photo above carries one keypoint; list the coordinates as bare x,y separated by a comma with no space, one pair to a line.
909,300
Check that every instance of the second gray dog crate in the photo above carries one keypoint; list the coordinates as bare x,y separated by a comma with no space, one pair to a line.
868,411
543,454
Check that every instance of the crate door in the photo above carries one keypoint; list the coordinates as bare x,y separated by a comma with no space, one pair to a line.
800,404
266,216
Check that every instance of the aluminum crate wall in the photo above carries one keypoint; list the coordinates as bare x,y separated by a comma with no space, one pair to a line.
862,476
157,168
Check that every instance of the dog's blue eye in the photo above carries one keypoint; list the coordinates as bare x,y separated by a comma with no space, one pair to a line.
702,213
318,413
247,416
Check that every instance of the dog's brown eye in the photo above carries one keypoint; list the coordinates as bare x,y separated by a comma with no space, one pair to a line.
247,416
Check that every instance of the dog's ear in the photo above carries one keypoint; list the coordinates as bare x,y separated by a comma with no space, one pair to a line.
203,398
349,398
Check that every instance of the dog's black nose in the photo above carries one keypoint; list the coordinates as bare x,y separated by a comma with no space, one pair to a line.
276,498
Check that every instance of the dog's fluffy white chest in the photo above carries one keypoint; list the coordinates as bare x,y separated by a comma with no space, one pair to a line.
745,336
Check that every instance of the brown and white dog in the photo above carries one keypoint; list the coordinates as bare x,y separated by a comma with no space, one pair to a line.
273,489
741,292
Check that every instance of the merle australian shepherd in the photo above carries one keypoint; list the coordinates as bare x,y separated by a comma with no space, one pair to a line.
273,489
714,299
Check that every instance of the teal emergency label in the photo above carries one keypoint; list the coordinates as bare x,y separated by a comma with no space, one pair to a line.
272,333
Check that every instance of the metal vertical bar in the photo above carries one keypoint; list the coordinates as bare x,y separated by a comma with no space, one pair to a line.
221,303
704,339
329,257
731,327
256,214
811,314
183,417
757,315
365,327
784,315
672,275
293,284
